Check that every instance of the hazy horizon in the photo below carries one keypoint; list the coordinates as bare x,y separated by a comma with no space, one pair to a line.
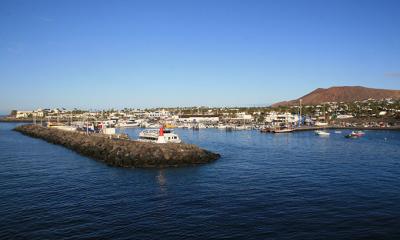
100,54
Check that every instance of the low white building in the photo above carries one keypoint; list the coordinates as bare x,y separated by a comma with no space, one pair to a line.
275,118
158,114
23,114
197,118
243,116
344,116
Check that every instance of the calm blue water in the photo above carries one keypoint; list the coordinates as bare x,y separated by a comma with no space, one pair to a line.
296,186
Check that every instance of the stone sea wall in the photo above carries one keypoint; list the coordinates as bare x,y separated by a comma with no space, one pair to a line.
123,153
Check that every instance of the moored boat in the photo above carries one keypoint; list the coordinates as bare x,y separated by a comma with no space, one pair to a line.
322,133
355,134
282,130
128,124
159,136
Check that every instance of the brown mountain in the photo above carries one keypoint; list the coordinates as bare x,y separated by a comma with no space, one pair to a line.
342,94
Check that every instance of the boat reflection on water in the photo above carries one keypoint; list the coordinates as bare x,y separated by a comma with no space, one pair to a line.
162,181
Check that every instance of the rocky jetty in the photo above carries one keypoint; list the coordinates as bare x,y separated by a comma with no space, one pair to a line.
123,153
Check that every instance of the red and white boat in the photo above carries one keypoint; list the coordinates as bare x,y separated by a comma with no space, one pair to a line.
355,134
159,136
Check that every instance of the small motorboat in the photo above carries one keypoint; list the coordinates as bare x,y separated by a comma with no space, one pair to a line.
338,132
322,133
283,130
355,134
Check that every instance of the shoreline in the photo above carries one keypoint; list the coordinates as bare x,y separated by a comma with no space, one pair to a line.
397,128
303,128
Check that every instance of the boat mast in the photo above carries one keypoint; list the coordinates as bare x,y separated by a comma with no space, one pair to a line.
300,112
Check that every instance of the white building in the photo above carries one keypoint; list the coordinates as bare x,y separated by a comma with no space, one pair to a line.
243,116
22,114
275,118
344,116
158,114
197,118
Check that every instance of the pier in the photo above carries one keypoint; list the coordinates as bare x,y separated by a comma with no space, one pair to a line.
122,153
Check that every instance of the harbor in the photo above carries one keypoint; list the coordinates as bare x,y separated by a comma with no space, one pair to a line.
200,120
370,114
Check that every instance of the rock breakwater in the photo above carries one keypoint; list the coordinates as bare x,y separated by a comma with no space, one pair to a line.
123,153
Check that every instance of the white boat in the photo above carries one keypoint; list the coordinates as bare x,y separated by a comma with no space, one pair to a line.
322,133
128,124
282,130
155,125
338,131
159,136
321,124
221,126
243,127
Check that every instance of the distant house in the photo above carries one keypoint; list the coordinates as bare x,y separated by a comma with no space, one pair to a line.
275,118
198,118
244,116
38,113
21,114
382,113
344,116
159,114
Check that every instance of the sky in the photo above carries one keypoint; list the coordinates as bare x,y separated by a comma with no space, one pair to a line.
97,54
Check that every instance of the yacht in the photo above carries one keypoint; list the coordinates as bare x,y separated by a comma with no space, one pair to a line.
159,136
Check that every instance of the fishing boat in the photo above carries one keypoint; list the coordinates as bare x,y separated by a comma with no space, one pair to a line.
322,133
159,136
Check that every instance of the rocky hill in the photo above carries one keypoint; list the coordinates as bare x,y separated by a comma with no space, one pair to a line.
342,94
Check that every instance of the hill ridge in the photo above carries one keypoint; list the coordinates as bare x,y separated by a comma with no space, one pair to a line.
341,94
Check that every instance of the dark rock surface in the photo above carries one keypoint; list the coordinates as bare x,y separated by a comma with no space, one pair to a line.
123,153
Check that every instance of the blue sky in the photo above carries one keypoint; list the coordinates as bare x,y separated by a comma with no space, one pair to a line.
103,54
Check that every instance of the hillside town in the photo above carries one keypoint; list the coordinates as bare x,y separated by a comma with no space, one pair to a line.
367,113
